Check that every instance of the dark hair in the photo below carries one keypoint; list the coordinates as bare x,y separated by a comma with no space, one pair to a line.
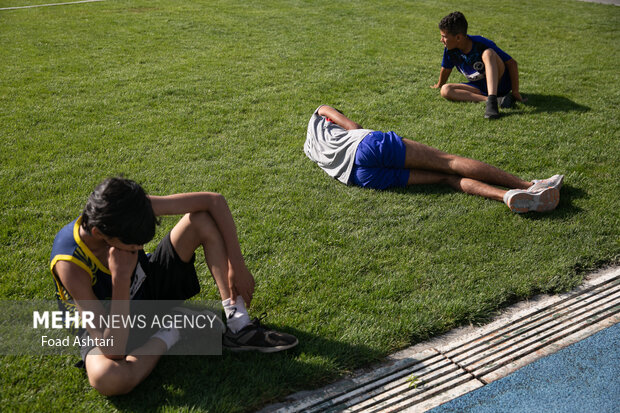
119,208
454,23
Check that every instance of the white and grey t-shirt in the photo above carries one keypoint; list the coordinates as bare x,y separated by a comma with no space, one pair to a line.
332,147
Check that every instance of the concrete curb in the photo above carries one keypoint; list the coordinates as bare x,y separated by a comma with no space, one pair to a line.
611,2
429,374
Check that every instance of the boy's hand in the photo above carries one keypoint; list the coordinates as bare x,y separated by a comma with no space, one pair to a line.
122,263
240,283
518,97
444,74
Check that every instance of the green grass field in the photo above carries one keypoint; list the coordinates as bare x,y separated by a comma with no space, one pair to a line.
216,96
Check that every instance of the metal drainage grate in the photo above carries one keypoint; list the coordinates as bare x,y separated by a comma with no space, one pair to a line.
440,374
542,332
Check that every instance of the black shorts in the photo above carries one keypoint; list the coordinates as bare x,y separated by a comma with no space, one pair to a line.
168,278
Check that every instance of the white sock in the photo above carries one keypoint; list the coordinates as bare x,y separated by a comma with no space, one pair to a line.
237,316
170,336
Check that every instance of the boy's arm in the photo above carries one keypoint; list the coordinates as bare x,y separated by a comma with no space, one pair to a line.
241,281
78,284
513,71
444,74
338,118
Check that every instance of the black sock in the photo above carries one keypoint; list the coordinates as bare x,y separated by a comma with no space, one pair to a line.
492,111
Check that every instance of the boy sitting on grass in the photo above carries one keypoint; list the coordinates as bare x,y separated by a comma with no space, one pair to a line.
99,256
381,160
489,70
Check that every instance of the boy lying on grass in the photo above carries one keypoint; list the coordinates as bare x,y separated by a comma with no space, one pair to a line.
381,160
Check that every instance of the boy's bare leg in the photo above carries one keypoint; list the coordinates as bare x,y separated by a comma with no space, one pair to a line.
199,229
420,156
494,70
196,229
462,93
114,377
467,185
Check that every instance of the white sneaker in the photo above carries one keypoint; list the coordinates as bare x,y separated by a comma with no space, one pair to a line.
521,200
554,182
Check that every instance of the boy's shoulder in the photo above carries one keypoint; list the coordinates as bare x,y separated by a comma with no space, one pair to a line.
480,43
64,240
481,39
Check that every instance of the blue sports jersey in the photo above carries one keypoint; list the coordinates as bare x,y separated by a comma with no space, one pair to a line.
471,64
68,246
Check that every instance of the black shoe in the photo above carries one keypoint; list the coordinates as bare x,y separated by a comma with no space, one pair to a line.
492,111
255,337
506,102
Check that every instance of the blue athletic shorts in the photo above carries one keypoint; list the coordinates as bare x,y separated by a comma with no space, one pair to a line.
380,162
504,87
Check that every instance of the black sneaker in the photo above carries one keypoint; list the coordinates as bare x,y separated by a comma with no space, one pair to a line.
255,337
506,102
492,111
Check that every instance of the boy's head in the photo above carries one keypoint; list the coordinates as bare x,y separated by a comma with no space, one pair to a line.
454,23
119,208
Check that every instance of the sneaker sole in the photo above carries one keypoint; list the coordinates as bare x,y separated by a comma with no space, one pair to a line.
543,201
262,349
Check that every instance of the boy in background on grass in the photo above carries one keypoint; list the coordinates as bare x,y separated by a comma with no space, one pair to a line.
99,256
491,72
381,160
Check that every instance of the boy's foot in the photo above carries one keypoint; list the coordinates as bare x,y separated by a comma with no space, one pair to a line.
492,111
255,337
520,200
554,182
506,102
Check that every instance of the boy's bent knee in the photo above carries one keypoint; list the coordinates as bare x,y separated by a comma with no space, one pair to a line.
445,91
109,379
490,56
201,219
204,224
489,53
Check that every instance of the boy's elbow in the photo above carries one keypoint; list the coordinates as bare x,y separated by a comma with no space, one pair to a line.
323,109
218,199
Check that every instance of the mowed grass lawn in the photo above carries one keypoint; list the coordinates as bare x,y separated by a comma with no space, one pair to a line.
216,96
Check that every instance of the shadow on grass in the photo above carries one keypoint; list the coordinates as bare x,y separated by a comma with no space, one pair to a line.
552,104
542,104
237,382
